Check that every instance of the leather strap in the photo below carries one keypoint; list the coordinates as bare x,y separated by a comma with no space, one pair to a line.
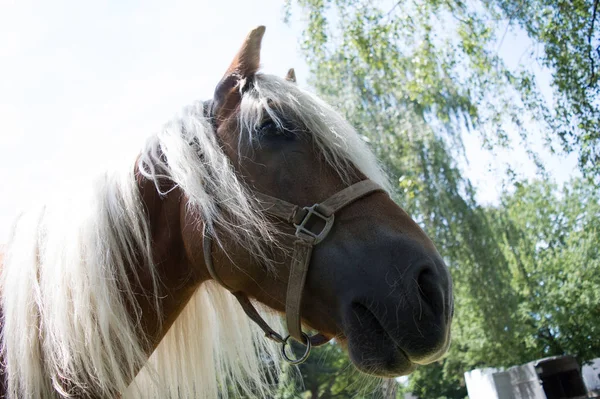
277,207
293,300
347,196
291,213
207,248
301,256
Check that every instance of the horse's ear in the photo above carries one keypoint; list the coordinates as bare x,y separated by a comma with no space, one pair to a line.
291,75
244,65
247,60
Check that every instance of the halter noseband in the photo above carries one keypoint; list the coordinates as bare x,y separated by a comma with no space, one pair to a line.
306,220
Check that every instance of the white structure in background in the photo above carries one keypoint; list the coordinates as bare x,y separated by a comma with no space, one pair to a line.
519,382
542,379
480,383
591,375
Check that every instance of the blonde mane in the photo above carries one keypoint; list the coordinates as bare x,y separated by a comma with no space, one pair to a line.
70,319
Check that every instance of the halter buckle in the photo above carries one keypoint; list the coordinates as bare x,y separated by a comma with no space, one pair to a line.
308,223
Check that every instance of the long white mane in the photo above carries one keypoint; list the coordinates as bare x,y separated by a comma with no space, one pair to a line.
70,317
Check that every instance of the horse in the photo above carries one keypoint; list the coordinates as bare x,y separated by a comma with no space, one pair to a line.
160,279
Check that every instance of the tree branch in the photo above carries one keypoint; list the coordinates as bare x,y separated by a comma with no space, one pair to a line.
590,35
551,340
510,19
393,8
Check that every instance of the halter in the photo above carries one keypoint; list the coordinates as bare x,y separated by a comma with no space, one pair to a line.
313,224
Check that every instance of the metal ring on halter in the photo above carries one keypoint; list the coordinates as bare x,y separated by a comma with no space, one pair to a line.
304,356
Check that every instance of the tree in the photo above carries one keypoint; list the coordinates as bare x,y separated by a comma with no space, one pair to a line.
550,238
440,59
569,34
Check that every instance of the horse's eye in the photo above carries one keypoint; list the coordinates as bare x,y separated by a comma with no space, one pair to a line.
271,129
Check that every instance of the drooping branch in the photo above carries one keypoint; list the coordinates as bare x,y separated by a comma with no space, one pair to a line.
590,36
393,8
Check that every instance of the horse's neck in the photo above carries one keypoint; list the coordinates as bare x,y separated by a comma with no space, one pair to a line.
177,278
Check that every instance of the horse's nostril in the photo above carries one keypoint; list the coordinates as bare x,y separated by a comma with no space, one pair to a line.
429,289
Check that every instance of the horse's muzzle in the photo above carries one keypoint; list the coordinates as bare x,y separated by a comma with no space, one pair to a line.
391,333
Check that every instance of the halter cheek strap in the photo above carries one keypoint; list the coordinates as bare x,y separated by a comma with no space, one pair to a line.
312,224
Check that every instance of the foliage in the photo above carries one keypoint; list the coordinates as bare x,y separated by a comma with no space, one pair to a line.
439,58
569,32
550,239
447,386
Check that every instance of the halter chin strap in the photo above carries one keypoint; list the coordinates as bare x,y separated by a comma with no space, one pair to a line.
312,224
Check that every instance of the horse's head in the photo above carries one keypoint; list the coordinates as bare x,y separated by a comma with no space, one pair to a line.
376,282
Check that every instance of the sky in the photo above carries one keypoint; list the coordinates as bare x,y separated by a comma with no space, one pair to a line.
82,84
